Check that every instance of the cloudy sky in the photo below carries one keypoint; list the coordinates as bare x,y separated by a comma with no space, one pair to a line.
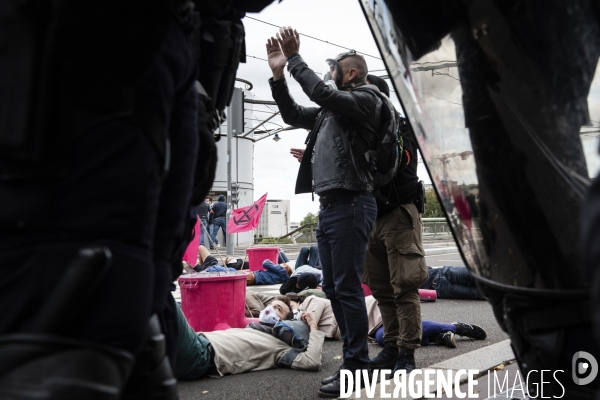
339,23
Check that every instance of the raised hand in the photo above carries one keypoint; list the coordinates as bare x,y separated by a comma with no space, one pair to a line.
289,40
297,153
274,55
310,320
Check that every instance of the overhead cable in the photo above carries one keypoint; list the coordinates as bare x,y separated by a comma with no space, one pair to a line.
320,40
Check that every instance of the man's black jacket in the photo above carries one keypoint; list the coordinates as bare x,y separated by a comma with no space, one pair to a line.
342,130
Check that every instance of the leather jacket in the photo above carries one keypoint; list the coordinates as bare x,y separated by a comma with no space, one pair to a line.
343,128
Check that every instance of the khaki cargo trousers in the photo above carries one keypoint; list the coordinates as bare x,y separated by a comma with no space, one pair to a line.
394,269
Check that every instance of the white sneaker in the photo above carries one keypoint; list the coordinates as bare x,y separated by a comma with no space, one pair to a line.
218,245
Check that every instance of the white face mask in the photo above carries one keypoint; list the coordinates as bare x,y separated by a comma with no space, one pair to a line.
268,316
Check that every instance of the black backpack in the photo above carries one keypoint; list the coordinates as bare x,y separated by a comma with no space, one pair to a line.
384,159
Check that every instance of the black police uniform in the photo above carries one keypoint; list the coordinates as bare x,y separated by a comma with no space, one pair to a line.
115,193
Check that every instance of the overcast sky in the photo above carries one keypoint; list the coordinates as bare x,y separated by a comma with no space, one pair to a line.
338,22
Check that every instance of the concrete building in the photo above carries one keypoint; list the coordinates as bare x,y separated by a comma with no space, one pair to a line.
274,221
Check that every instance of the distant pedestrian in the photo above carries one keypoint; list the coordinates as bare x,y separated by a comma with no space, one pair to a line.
219,210
211,220
203,210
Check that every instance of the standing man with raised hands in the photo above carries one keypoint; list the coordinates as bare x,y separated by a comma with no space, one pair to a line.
343,127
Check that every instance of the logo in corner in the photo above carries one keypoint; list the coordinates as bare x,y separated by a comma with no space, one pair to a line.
583,363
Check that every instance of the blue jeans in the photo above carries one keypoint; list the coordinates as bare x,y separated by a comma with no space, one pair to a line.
282,258
456,283
219,223
430,329
209,230
342,234
309,257
203,230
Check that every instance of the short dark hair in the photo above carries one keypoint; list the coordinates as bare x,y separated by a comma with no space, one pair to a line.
286,301
358,62
295,297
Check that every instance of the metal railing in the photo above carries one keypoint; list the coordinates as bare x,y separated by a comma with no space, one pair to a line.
435,226
303,234
307,233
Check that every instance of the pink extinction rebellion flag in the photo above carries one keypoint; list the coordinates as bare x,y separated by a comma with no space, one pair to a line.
191,253
246,218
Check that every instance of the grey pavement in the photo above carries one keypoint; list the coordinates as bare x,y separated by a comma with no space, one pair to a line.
290,384
482,361
489,384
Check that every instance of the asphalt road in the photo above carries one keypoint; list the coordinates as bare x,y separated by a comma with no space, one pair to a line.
290,384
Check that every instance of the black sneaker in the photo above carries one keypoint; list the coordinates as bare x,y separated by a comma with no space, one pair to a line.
405,361
333,377
470,331
385,359
445,339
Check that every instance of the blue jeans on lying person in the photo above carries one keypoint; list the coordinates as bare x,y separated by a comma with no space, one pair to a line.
456,283
308,256
282,258
430,329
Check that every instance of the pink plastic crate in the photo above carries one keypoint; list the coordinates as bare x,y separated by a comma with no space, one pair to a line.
256,256
214,301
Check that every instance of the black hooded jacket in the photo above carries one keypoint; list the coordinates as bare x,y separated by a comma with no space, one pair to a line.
219,209
343,128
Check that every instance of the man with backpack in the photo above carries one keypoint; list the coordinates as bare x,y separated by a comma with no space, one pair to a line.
343,128
395,262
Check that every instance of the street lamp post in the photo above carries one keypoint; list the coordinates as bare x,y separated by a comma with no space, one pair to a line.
229,247
235,126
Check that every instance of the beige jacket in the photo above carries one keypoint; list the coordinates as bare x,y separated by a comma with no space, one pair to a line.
374,315
239,350
321,309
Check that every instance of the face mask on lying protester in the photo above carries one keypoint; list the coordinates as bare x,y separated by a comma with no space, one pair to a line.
268,316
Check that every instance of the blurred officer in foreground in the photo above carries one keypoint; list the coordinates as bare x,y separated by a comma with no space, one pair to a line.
100,132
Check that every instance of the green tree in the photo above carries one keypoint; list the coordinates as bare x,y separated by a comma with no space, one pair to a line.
433,208
310,218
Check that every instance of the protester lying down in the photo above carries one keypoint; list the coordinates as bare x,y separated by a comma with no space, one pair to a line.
275,341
